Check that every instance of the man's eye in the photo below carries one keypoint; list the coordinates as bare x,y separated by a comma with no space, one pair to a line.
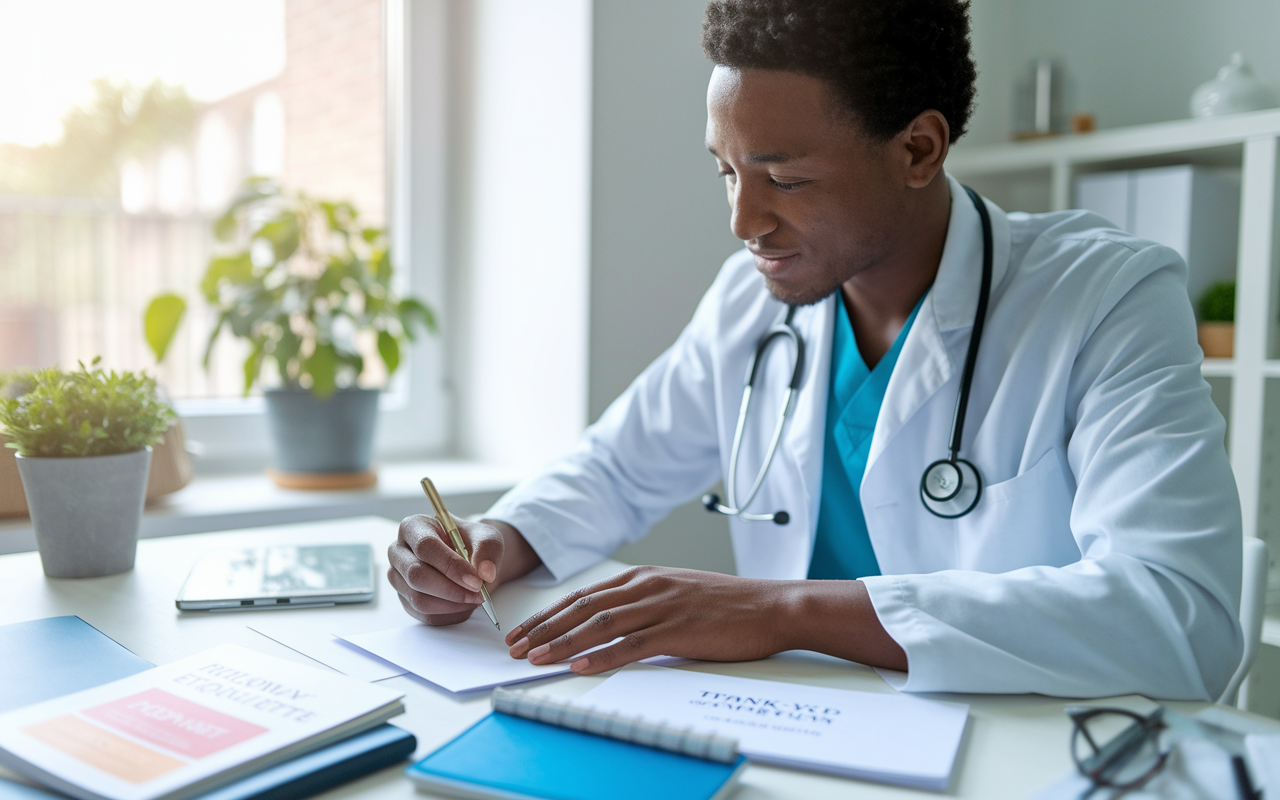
726,173
786,187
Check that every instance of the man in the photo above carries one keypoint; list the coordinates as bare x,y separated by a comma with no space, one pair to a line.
1103,553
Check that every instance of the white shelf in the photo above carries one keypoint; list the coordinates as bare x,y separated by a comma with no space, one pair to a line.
1160,139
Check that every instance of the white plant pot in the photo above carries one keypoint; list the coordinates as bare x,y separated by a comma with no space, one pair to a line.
86,511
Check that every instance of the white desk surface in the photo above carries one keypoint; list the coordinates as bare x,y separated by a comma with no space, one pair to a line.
1014,745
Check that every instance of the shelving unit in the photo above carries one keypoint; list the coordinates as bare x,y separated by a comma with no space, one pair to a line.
1039,175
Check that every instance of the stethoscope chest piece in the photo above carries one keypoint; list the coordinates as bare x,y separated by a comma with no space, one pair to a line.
950,488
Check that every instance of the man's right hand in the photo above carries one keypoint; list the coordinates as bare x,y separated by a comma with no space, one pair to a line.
439,587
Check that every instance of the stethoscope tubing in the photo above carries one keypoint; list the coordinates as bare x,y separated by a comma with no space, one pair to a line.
953,461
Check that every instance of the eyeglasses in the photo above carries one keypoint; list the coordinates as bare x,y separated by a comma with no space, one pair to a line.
1116,748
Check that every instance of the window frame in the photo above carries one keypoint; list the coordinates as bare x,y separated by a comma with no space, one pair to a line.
413,413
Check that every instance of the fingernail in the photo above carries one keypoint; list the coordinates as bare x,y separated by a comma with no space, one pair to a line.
471,582
520,648
515,634
537,653
488,571
579,665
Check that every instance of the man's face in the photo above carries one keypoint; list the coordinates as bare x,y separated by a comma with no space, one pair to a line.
813,198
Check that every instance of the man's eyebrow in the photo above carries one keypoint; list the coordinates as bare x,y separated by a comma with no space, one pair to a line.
760,158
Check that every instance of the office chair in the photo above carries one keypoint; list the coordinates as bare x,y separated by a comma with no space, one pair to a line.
1253,600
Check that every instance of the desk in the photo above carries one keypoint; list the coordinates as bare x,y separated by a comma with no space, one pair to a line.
1014,744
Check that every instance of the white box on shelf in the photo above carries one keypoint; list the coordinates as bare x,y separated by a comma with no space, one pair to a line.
1196,210
1193,209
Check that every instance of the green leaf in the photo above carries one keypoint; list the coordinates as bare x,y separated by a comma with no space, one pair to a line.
253,365
213,337
161,321
254,189
283,234
414,312
380,265
322,366
235,269
389,349
286,350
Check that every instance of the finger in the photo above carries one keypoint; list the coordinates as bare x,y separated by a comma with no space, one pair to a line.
635,646
426,539
422,602
486,544
564,602
426,579
434,619
587,622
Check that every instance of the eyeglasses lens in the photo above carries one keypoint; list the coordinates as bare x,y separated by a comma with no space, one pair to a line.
1116,747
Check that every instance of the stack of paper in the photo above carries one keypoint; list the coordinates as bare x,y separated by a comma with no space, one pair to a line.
887,738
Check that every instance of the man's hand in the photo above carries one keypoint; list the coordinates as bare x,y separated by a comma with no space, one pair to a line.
704,615
656,611
439,587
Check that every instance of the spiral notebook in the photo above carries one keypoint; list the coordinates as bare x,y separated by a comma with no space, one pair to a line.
541,747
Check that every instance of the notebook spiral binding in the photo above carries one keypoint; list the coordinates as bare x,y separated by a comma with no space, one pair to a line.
686,741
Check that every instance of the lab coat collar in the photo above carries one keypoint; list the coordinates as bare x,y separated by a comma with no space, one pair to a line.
926,361
959,279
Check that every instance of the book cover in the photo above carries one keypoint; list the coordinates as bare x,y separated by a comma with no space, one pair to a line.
47,658
186,728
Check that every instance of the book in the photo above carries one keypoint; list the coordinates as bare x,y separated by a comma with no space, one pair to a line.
524,750
48,658
886,738
190,727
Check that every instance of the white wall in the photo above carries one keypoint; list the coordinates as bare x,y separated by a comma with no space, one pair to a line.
1127,61
520,209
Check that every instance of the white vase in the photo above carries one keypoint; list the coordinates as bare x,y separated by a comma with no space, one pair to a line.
86,511
1234,90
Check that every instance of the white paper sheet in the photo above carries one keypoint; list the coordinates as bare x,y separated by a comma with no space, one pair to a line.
314,642
889,738
473,654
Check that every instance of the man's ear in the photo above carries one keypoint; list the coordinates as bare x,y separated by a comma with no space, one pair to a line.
923,145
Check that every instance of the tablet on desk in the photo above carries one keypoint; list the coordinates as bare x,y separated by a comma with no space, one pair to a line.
279,576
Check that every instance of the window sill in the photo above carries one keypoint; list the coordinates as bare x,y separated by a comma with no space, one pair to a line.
225,502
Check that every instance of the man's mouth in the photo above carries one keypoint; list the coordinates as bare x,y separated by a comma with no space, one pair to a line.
775,265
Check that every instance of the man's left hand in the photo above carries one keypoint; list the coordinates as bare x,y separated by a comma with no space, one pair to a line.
657,611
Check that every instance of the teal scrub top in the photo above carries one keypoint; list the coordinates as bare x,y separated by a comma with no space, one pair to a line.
842,549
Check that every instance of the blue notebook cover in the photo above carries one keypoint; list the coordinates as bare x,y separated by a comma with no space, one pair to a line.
48,658
508,757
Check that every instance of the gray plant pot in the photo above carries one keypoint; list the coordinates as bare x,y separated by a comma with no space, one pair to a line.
86,511
330,435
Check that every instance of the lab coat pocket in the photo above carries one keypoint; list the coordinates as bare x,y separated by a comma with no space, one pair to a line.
1021,522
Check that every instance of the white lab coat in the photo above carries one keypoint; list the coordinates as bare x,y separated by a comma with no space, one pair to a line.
1105,554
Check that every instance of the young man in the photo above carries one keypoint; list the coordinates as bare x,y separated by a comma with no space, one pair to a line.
1102,555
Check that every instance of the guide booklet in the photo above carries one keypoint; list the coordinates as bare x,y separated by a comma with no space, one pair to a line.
187,728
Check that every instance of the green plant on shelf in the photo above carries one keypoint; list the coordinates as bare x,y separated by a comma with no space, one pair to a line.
1218,303
303,283
89,412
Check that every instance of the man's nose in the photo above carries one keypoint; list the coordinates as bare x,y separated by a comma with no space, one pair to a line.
751,216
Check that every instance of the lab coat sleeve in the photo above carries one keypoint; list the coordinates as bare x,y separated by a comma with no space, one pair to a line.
1152,605
653,449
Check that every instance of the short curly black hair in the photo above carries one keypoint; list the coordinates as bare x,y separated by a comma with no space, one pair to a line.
888,60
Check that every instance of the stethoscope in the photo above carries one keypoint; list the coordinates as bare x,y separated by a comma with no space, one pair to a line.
949,487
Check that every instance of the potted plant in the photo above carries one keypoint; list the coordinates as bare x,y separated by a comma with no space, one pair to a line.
310,289
84,451
1217,312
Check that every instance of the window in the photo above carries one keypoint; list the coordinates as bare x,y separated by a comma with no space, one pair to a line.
138,121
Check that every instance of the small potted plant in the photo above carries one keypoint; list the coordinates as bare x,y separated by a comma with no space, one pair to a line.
84,443
1217,312
310,289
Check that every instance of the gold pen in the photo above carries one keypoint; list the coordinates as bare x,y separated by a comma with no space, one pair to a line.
451,527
